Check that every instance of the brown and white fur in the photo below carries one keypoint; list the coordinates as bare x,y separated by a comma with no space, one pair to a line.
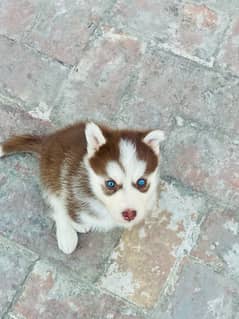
75,164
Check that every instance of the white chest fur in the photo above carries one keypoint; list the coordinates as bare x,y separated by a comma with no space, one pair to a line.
98,219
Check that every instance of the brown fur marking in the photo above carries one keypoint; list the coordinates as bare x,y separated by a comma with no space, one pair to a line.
110,150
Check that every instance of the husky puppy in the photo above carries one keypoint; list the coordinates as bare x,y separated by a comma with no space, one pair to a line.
94,177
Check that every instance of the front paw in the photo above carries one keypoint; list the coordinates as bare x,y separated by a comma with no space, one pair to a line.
67,239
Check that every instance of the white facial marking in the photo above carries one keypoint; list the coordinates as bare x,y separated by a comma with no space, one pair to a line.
134,168
94,137
115,172
1,151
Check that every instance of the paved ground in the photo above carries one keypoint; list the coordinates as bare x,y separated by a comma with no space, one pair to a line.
143,63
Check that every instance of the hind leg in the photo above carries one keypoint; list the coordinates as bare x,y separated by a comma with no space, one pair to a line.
66,235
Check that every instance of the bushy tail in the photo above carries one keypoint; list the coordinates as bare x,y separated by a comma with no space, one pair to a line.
21,143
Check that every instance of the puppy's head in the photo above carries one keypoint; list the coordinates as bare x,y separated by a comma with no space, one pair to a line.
123,170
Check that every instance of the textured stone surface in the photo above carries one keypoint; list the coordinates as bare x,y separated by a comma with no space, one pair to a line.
166,87
146,255
63,30
95,87
189,29
205,162
15,120
218,243
17,17
27,76
49,293
230,7
202,293
22,215
229,54
15,264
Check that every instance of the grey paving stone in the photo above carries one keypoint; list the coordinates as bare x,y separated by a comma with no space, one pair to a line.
22,215
189,29
64,27
228,57
15,264
15,120
27,75
49,293
203,161
231,7
95,87
218,244
166,87
202,293
17,17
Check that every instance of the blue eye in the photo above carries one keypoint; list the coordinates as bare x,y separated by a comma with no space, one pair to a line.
110,184
141,182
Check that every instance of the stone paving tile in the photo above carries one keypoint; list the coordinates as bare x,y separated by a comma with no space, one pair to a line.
27,76
208,163
95,87
229,54
15,263
202,293
15,120
142,262
230,7
89,260
64,28
218,242
21,208
187,28
49,293
17,17
166,87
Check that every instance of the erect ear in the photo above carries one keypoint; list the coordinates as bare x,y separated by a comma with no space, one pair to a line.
153,139
94,138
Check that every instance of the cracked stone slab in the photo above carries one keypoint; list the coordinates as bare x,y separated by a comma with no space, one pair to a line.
52,293
95,87
142,262
167,86
201,293
228,57
15,120
218,243
230,7
27,76
17,17
15,264
190,29
206,162
22,215
64,28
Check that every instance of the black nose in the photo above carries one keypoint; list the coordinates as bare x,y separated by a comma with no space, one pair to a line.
129,214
